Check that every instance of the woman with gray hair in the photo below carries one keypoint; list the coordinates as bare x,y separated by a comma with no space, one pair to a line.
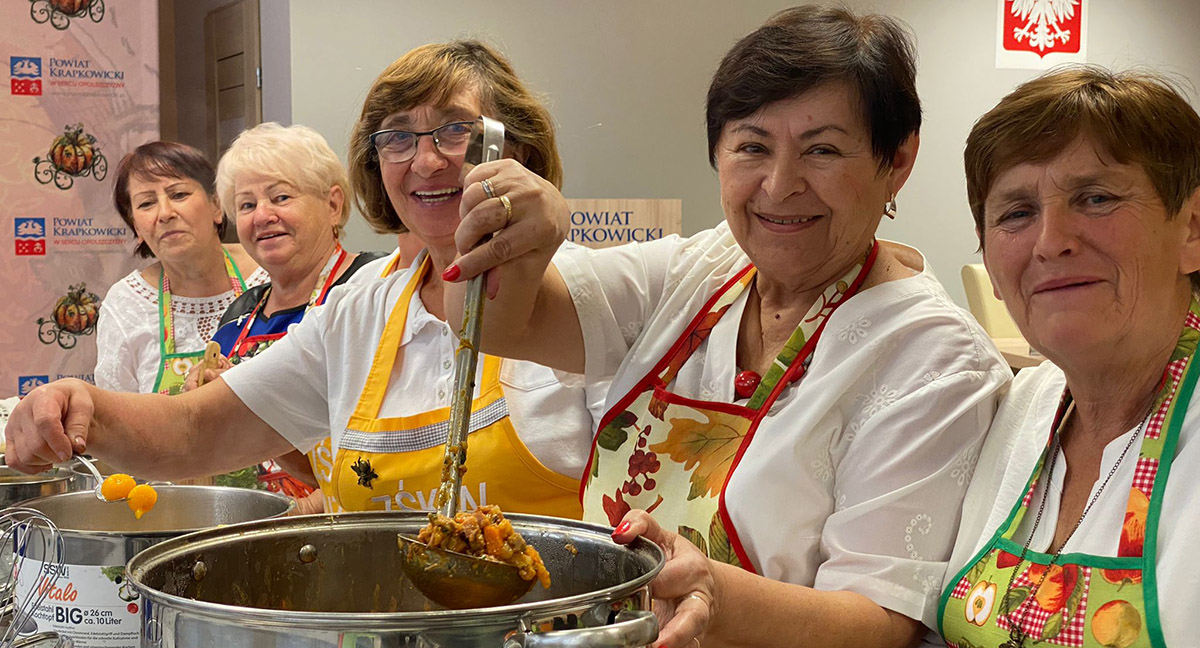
288,192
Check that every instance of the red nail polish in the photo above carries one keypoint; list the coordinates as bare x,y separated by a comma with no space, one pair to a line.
451,273
622,529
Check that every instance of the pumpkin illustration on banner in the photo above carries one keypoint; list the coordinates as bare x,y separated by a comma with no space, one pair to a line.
73,154
74,315
60,12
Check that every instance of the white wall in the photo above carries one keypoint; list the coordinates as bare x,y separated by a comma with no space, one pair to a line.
626,80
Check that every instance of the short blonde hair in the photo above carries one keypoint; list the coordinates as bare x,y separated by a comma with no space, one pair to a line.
433,74
297,155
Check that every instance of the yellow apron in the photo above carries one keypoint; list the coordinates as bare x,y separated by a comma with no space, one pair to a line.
321,457
396,463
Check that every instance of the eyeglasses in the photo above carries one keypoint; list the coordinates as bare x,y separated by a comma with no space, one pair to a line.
396,146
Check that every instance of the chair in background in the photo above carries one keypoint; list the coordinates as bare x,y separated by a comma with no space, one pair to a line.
983,304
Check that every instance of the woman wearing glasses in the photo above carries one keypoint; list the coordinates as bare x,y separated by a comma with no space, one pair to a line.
373,367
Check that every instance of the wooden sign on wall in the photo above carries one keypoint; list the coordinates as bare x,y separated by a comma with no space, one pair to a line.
600,223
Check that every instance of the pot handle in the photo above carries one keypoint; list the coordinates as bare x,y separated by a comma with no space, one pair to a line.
631,628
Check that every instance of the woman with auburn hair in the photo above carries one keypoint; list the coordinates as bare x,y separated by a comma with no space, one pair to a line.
373,367
155,322
1080,524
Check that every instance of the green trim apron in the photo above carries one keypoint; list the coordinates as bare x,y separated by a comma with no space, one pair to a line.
1083,600
697,443
173,367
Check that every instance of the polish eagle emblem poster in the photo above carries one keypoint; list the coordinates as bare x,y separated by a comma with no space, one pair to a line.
1040,34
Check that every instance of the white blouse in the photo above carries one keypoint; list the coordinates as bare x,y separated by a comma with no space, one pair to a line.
1016,440
127,349
308,383
855,479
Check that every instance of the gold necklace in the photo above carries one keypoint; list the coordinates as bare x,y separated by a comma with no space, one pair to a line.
1016,636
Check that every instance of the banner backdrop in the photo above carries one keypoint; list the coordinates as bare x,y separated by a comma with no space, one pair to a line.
82,92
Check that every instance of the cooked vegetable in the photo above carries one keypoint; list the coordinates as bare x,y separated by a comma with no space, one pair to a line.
485,533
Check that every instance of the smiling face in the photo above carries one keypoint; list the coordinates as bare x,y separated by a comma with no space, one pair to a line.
284,229
174,216
801,188
1083,252
425,191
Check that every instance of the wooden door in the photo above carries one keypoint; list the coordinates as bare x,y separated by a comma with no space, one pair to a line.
233,73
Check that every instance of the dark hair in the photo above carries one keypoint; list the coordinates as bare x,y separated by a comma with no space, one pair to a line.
1135,117
162,160
433,74
800,48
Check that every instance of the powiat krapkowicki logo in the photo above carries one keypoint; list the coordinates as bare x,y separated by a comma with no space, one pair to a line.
60,12
74,315
74,154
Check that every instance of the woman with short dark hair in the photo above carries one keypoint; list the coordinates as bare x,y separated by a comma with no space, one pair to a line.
155,322
1080,526
795,406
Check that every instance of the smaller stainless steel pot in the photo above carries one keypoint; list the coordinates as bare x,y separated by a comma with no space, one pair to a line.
17,487
100,537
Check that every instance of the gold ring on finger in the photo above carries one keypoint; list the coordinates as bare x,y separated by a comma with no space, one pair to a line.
507,208
487,188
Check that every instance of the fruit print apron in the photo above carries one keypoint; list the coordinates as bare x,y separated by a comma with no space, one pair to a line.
672,455
1082,600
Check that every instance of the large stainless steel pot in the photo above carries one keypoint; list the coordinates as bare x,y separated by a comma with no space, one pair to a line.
90,601
325,581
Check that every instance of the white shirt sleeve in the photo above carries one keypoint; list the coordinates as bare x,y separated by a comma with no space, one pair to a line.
614,290
116,362
287,386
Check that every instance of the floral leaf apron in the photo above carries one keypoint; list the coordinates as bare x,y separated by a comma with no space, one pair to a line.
672,455
174,367
1083,600
396,463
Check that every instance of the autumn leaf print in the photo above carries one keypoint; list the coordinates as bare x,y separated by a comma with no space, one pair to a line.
705,448
720,548
695,537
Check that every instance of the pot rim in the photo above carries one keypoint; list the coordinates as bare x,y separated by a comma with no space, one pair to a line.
54,475
91,533
144,560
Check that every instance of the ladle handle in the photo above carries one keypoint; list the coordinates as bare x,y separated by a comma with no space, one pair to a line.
465,360
632,628
87,463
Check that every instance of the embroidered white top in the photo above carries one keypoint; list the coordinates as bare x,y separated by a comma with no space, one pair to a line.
127,349
855,479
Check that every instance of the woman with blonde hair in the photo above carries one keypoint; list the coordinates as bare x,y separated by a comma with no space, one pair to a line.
288,192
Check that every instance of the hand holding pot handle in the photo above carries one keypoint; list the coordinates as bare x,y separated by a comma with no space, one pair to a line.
685,592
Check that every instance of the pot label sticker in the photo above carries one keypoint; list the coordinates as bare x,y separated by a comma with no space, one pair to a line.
94,605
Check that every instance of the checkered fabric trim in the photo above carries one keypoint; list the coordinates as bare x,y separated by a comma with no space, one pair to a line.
422,438
1144,474
1155,425
1033,618
1191,320
1029,494
961,590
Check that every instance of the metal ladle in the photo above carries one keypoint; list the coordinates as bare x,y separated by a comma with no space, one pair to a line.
451,579
87,463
